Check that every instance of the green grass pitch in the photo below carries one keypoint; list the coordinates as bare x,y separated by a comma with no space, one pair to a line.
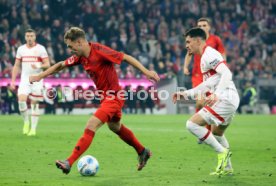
177,158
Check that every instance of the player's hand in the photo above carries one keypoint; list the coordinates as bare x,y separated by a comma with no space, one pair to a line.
12,86
186,71
34,66
153,76
34,79
177,96
211,100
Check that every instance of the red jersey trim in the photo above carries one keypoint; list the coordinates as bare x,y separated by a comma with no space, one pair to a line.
214,113
38,96
31,59
206,136
210,72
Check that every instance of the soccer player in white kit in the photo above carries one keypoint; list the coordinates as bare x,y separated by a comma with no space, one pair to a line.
220,97
32,58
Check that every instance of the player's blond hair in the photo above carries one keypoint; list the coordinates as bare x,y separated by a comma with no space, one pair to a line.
74,33
205,19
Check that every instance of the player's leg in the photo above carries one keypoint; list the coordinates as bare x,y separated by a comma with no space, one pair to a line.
218,132
127,136
199,105
34,117
93,124
196,125
35,96
23,91
197,80
23,108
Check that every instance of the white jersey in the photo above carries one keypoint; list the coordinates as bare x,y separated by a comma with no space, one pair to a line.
29,56
210,60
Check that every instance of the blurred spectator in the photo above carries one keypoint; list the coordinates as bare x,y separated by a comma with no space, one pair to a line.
69,99
248,99
149,30
8,101
49,100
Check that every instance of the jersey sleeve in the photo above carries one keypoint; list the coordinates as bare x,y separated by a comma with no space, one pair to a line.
220,46
108,53
18,54
72,61
43,53
213,58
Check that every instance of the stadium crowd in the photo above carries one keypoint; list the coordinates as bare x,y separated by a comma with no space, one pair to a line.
151,30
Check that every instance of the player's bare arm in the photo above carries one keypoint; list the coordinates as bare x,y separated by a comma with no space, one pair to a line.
151,75
16,69
52,70
199,92
187,62
45,64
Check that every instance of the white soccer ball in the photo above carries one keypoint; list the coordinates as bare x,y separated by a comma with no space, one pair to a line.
88,166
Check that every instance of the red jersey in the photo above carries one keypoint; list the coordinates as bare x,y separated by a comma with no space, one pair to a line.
212,41
100,66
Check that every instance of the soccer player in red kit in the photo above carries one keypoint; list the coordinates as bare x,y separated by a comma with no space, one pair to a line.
213,41
98,61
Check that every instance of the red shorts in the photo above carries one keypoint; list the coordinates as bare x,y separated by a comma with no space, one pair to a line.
110,110
196,80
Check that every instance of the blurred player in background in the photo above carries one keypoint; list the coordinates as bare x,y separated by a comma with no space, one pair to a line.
31,58
213,41
98,61
220,98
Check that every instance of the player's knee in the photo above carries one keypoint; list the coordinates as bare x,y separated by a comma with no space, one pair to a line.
189,125
35,109
22,106
114,127
93,124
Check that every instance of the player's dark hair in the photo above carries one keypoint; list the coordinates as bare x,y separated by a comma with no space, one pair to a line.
196,32
74,33
29,30
205,19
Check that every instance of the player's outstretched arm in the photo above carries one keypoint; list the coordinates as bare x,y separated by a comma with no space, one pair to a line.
52,70
187,62
15,70
198,92
151,75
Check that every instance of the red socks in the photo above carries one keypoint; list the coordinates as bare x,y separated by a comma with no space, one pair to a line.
127,136
83,143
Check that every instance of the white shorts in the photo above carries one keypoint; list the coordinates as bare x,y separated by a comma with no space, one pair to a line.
222,112
34,90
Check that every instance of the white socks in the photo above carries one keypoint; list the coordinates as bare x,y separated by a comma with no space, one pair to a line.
34,115
205,135
24,111
224,142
